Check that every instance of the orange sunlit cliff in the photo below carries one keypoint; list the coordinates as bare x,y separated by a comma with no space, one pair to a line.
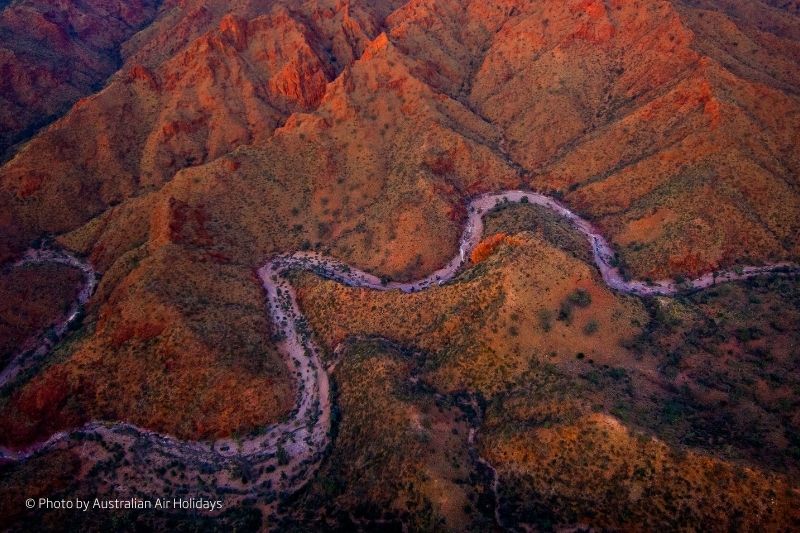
176,146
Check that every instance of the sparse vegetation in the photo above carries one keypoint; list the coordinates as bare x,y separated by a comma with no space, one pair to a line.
232,132
591,327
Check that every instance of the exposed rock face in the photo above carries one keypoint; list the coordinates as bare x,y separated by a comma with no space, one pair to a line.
606,102
53,53
208,135
230,79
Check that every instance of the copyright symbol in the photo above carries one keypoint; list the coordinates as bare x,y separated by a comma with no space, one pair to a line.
30,503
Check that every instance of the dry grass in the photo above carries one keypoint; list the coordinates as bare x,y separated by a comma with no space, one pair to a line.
193,359
674,130
596,471
400,453
482,330
32,298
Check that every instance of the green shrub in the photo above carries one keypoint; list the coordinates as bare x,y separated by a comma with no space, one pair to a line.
591,327
581,298
565,312
545,318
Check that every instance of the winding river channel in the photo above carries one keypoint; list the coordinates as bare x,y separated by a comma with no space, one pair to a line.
38,347
279,460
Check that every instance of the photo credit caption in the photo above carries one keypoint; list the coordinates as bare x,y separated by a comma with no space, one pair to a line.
110,504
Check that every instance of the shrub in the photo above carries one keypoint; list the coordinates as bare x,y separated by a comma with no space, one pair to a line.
581,298
283,456
545,317
591,327
565,312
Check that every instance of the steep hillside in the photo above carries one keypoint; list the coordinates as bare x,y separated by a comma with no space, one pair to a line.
651,96
53,53
204,78
36,296
188,141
